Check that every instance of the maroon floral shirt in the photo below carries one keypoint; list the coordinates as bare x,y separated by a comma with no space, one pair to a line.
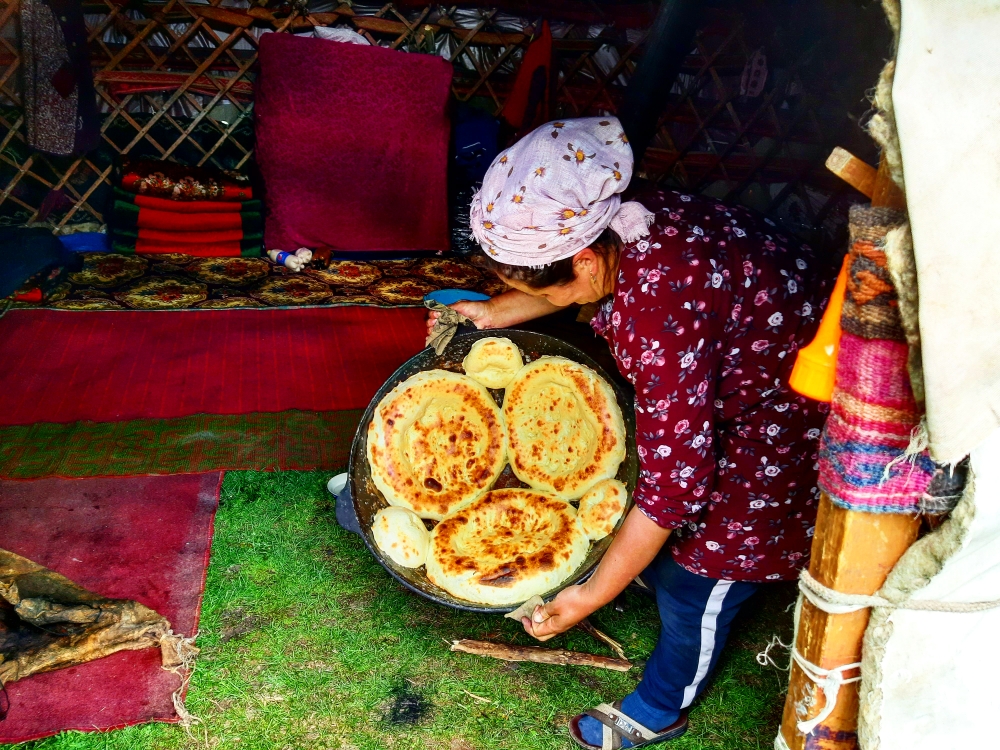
707,315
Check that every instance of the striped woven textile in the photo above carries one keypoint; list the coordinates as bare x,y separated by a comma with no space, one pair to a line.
874,413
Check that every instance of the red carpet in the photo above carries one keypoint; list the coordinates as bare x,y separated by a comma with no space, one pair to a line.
142,538
112,366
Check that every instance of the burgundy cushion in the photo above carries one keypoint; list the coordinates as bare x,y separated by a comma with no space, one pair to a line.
352,142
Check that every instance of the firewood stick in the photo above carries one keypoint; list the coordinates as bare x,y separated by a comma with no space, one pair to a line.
587,627
507,652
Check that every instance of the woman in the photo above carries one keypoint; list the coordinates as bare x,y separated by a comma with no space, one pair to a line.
704,309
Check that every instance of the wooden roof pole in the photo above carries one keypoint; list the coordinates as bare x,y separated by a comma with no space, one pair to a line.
852,552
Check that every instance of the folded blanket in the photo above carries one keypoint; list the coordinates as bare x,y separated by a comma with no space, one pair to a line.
187,238
218,249
193,207
177,182
130,216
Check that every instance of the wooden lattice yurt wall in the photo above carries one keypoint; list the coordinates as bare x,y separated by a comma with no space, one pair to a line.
175,81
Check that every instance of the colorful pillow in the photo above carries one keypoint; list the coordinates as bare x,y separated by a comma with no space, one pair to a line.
352,143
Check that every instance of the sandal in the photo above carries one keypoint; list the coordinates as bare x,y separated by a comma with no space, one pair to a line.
619,726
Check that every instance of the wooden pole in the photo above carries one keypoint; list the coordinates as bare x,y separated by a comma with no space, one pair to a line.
852,552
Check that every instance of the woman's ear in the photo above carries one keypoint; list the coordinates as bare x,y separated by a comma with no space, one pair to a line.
585,263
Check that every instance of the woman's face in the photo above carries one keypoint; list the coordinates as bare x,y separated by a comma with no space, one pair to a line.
579,291
587,285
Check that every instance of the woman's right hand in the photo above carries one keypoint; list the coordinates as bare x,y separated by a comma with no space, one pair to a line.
478,312
503,311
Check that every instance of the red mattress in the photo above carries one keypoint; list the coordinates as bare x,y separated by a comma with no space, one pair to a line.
63,366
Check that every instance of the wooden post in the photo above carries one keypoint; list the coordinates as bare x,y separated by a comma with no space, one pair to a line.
852,552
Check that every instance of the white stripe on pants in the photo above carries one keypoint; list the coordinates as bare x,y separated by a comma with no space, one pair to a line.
708,620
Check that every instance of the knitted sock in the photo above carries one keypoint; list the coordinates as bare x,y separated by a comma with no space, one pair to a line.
638,709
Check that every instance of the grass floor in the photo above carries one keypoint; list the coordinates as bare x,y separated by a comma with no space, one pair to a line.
308,643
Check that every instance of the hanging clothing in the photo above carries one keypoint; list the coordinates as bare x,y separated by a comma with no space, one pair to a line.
528,102
60,102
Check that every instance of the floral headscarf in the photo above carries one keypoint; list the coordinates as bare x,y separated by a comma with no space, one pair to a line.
553,192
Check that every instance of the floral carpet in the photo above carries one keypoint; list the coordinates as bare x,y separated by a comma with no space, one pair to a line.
109,281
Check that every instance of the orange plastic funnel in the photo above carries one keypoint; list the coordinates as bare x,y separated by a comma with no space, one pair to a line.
816,364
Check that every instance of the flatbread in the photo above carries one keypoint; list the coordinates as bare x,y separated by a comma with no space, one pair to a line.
493,362
565,428
437,441
601,508
506,547
401,535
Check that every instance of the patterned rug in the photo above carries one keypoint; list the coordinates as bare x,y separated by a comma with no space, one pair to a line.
172,281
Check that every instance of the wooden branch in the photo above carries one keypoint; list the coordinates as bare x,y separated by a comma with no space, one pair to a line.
588,627
559,656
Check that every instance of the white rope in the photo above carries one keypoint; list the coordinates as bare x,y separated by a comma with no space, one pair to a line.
764,657
838,603
920,441
835,602
828,680
779,742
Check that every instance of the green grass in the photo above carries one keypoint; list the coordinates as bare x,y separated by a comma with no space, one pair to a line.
308,643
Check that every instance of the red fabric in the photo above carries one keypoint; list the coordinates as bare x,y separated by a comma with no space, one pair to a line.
175,221
181,238
32,295
141,538
708,313
109,366
187,207
201,250
538,56
352,142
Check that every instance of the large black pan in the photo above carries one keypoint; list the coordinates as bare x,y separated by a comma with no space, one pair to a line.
363,500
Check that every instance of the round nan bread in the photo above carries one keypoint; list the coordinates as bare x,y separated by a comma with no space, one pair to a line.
401,535
601,508
506,547
565,429
437,441
493,362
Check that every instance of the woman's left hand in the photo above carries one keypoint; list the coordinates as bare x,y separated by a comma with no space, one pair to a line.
571,606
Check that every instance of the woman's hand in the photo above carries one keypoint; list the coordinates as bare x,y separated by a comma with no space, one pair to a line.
480,313
635,546
503,311
571,606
